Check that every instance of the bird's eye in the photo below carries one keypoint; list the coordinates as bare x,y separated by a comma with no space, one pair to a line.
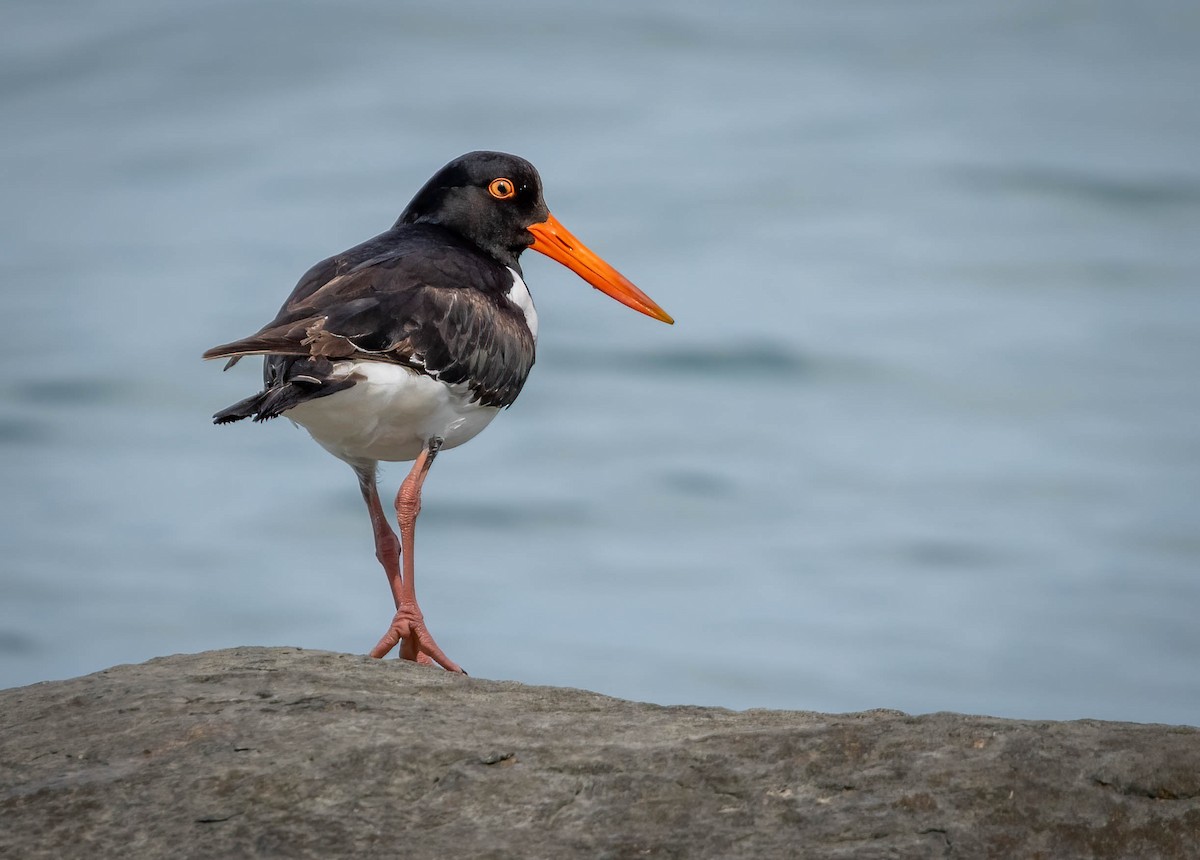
502,189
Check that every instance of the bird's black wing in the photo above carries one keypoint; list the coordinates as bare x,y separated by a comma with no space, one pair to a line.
429,303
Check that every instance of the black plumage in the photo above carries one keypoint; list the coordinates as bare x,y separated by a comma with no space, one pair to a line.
420,296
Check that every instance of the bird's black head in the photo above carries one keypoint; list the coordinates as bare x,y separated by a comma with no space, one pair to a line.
494,201
489,198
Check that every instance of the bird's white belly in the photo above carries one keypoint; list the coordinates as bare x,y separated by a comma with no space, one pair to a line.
390,414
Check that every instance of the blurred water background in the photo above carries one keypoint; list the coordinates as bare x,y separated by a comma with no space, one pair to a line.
925,436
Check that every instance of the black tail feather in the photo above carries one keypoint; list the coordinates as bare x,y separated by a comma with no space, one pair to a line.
288,381
277,399
247,408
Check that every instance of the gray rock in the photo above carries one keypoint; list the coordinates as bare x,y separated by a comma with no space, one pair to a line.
277,752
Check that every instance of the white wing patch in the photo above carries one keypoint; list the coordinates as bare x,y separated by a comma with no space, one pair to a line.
519,296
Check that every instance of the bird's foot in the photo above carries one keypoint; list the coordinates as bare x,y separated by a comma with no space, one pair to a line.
416,642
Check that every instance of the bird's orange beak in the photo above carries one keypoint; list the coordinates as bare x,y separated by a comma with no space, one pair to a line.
556,242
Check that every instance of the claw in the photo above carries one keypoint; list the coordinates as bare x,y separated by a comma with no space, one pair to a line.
416,642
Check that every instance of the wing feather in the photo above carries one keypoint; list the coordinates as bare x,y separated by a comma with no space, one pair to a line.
439,308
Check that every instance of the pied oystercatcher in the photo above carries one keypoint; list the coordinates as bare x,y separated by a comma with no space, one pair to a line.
413,341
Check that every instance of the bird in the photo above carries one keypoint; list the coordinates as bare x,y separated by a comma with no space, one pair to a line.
411,342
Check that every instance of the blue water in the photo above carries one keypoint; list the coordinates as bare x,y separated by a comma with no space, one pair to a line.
925,436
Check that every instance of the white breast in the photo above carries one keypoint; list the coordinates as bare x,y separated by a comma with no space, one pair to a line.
519,296
391,412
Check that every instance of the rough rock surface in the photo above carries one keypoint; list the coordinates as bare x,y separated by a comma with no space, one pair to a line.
278,752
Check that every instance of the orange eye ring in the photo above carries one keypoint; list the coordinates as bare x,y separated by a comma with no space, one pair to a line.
502,189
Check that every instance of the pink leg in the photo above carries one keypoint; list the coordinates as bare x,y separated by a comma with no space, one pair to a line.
408,625
387,545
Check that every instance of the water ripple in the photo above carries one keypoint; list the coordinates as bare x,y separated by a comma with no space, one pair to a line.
1090,188
762,360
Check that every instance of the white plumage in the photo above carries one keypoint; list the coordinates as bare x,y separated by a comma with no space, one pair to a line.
519,296
390,413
